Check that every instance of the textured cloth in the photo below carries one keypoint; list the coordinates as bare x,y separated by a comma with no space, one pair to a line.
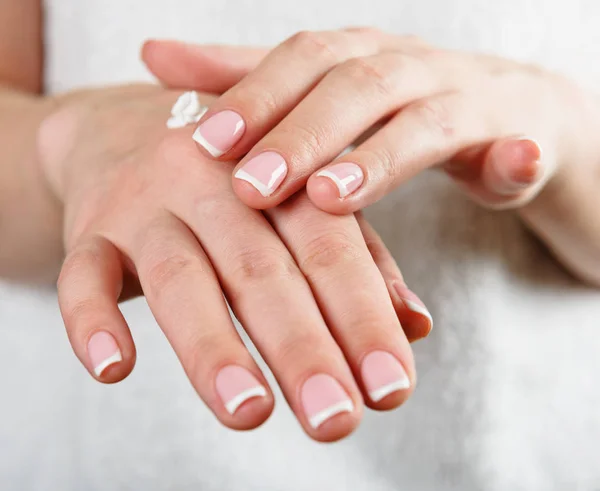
507,397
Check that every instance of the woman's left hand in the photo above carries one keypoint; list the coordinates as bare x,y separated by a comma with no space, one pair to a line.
412,105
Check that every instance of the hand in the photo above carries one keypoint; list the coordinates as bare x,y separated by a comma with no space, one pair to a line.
486,118
142,205
483,120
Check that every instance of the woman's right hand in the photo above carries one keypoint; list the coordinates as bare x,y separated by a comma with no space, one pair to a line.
141,203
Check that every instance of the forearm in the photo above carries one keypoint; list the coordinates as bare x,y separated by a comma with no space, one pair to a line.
30,216
566,214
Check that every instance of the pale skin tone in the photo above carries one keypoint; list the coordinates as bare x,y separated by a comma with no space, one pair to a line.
511,135
316,292
94,180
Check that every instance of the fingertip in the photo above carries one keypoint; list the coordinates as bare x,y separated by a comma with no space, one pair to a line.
250,196
146,49
109,359
338,427
324,194
251,414
390,401
512,166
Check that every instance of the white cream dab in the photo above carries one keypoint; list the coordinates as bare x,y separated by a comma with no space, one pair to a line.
186,110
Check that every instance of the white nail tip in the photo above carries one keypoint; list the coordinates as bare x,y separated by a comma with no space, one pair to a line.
107,362
198,138
262,189
386,390
322,416
341,185
186,110
415,307
233,404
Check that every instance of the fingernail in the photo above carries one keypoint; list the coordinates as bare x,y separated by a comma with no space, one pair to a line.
515,178
383,374
220,132
265,172
235,385
323,397
103,351
346,176
413,302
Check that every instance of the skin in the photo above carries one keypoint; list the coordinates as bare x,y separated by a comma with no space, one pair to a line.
123,206
511,135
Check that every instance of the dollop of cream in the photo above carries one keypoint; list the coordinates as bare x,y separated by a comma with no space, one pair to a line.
186,110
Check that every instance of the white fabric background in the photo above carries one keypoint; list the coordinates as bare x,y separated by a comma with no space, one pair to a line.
507,397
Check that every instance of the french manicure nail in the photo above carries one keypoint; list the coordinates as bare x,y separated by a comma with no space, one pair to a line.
412,302
323,397
235,385
382,375
265,172
103,351
347,176
220,132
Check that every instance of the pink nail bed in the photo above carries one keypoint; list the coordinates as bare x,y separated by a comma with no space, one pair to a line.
220,132
347,176
235,385
103,351
382,375
323,397
265,172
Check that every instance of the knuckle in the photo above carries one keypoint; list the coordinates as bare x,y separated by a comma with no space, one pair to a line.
387,161
203,353
167,269
312,44
76,264
297,349
257,100
309,138
367,325
79,312
259,265
433,115
335,251
369,72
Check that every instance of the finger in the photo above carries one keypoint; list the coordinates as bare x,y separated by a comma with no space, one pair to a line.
353,298
513,169
421,135
205,68
273,302
507,173
365,89
89,286
249,110
186,300
411,311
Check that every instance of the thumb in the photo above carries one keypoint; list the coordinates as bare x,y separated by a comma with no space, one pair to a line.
506,173
206,68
